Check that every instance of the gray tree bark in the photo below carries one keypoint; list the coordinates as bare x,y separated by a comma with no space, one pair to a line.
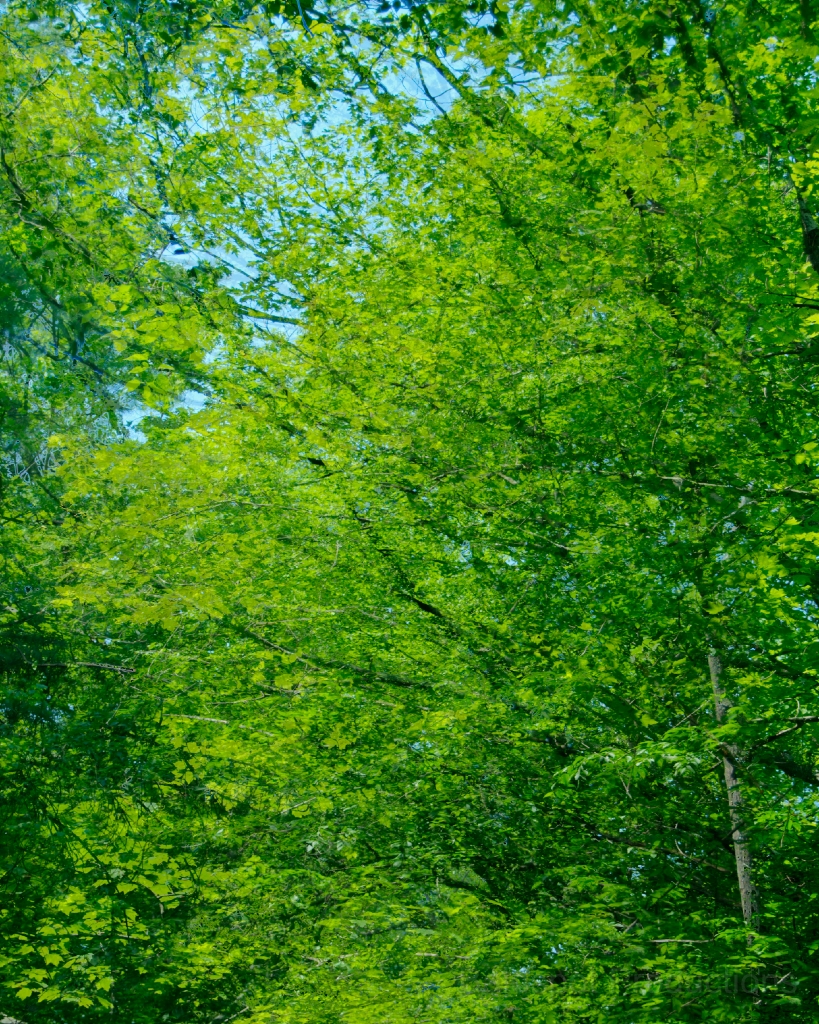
742,851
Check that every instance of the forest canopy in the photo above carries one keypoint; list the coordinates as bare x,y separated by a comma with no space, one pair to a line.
408,566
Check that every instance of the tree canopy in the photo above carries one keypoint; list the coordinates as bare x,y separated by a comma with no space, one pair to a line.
409,533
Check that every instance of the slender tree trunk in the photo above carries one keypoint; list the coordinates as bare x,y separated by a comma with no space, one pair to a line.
742,851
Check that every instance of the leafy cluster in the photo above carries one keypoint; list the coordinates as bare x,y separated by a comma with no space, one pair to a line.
401,408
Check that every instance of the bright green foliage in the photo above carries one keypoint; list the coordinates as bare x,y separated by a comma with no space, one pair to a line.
377,689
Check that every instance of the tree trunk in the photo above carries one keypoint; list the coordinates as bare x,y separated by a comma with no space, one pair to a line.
742,851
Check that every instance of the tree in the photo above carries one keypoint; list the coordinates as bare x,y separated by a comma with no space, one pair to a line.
457,660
